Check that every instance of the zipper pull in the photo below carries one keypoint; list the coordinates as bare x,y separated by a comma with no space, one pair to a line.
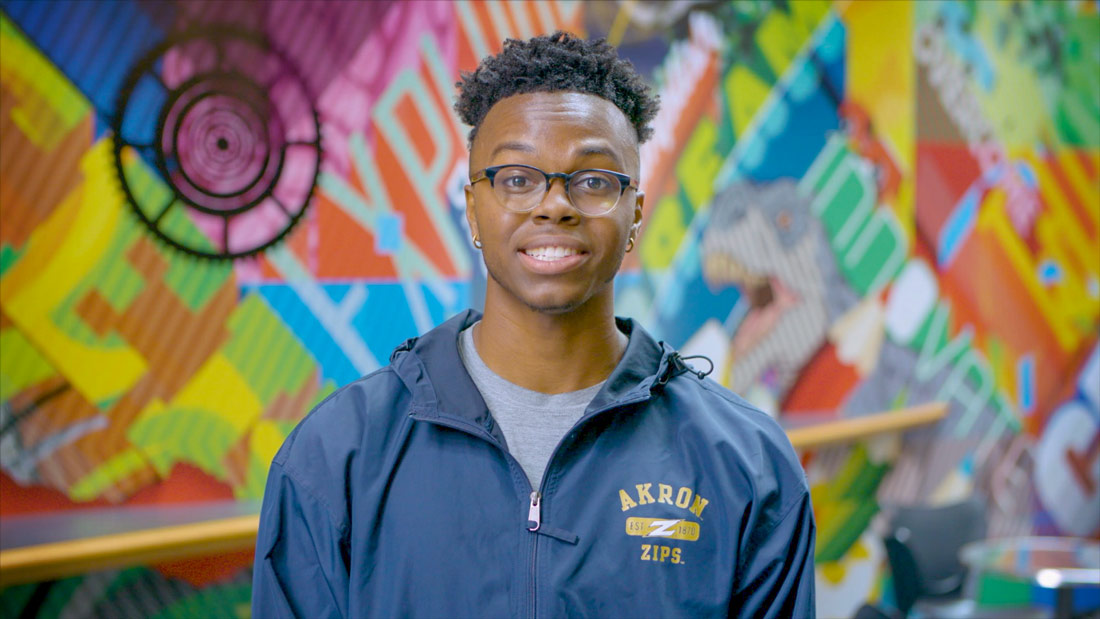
534,514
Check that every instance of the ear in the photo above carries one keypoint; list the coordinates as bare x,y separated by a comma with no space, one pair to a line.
471,216
636,226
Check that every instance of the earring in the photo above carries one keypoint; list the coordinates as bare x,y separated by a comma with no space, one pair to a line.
477,242
629,244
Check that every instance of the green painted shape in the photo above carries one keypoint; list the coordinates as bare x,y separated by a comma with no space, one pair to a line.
21,365
14,599
92,485
173,435
266,353
999,590
232,600
194,281
836,545
864,273
114,278
151,194
255,478
9,255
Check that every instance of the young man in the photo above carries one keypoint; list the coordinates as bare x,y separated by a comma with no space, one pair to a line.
546,458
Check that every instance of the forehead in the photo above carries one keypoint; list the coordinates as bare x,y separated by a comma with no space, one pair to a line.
561,123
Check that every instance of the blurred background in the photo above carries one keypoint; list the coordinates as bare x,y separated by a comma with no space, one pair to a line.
213,214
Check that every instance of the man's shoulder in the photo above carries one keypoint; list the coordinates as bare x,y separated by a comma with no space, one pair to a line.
345,421
745,435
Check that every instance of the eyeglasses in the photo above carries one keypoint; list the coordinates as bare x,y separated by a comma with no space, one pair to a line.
521,188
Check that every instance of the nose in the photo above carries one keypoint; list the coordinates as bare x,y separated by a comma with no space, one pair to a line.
555,205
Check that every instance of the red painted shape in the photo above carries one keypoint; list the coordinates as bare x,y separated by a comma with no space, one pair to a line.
185,484
823,384
1080,464
203,571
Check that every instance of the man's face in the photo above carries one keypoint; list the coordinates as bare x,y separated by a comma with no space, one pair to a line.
555,132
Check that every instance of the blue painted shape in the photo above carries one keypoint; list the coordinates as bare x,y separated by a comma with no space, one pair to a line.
796,128
689,302
95,44
1025,383
389,233
383,322
332,361
1050,272
956,230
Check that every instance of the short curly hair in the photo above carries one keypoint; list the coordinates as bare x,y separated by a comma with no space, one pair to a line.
553,63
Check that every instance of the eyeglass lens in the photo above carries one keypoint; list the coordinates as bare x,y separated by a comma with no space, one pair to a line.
521,189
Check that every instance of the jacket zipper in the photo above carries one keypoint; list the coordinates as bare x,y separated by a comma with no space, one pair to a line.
534,515
534,508
534,511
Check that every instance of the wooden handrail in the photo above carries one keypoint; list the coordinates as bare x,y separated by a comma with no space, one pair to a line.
59,559
854,428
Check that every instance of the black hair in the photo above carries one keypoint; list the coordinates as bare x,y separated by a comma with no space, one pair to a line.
554,63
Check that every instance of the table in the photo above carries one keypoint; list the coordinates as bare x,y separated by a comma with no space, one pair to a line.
1059,563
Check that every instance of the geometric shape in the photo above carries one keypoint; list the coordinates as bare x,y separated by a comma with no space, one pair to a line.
1025,383
912,296
228,123
1050,272
389,232
1074,506
1088,381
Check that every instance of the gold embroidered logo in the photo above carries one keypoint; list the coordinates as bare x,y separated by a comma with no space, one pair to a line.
668,529
663,530
686,498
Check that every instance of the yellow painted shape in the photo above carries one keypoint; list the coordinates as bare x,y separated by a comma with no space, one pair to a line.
1085,189
699,163
993,219
48,105
781,36
880,78
60,253
1059,228
745,93
20,364
219,388
121,465
663,234
265,440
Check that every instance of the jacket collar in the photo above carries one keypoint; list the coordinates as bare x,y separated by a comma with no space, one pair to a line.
433,372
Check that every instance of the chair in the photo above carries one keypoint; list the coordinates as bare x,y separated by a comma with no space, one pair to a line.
922,547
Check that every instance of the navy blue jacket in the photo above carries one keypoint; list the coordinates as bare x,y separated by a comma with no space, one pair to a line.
670,497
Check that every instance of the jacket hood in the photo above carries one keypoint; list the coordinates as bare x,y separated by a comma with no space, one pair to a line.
432,370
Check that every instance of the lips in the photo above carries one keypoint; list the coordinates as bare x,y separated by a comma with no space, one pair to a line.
550,256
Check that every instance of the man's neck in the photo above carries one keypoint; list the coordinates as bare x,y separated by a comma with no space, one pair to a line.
550,353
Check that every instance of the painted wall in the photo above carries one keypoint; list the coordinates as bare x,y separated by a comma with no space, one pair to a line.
213,215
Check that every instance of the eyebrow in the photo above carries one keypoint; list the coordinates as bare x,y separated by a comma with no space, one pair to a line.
586,151
520,146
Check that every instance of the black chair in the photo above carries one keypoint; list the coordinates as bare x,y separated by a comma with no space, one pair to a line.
922,547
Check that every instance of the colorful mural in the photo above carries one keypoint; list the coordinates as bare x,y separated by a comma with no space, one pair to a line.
214,214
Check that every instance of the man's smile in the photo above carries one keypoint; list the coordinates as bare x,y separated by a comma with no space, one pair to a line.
552,255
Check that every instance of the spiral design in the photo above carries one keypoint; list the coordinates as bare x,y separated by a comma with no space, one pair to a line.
226,122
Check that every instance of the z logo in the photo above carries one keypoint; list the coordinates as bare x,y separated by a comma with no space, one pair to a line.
662,528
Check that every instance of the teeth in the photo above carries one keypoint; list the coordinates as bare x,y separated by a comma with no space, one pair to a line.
550,253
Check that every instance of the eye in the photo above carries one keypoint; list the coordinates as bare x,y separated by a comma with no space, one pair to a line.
595,183
516,180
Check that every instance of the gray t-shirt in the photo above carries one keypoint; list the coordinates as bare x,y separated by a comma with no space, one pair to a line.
532,422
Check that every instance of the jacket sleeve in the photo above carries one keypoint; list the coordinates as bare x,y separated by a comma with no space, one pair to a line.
776,577
300,568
